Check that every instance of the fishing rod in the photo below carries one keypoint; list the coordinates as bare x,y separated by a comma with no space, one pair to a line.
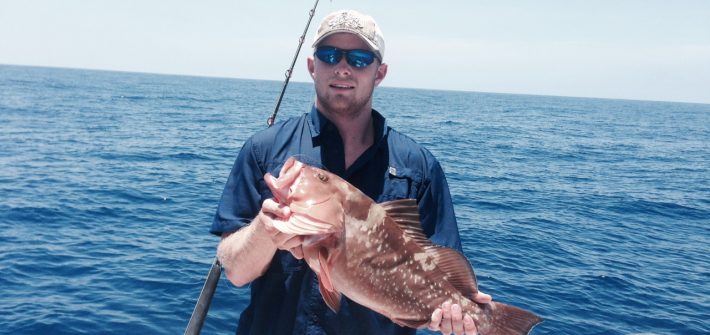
199,313
270,121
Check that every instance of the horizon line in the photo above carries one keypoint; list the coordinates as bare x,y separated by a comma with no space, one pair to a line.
383,86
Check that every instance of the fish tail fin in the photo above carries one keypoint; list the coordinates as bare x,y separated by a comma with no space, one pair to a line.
506,320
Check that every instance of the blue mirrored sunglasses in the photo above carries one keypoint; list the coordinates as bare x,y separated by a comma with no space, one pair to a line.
357,58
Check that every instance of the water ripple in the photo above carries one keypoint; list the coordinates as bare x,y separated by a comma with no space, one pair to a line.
592,213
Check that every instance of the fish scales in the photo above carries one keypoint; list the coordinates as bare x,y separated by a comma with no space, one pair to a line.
378,250
377,255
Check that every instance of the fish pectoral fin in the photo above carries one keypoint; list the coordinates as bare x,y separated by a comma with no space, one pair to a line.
325,285
332,298
458,271
324,275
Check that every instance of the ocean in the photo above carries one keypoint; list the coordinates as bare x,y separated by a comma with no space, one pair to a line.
593,213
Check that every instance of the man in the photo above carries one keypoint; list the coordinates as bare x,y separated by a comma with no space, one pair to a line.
343,134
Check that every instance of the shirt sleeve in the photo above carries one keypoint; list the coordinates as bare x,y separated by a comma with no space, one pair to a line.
437,210
241,198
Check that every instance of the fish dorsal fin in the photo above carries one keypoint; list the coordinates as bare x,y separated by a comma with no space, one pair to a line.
457,269
405,213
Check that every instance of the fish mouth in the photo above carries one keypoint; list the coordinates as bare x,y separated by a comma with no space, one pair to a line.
304,207
314,209
324,215
308,220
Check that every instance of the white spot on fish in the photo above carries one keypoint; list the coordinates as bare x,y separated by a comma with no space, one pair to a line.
425,261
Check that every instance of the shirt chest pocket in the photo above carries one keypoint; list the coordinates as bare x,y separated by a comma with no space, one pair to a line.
401,183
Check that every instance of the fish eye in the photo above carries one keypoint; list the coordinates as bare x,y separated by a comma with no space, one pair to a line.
322,177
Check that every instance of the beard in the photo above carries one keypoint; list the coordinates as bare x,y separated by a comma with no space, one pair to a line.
331,103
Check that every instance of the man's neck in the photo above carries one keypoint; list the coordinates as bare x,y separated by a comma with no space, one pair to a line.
357,132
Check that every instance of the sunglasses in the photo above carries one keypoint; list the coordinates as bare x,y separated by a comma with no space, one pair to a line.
357,58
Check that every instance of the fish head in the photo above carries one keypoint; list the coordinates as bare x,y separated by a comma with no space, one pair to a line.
315,197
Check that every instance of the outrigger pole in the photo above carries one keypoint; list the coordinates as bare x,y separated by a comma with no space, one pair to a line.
197,320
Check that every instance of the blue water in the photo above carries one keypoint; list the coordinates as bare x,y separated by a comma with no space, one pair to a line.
593,213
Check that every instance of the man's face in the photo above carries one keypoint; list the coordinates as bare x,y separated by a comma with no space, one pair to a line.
342,88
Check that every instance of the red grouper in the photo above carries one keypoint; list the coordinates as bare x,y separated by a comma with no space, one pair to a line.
378,256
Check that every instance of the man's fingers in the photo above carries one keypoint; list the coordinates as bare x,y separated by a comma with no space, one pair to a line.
446,319
482,298
436,316
469,327
276,209
450,318
456,319
272,211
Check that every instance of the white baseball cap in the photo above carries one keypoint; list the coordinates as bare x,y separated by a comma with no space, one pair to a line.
353,22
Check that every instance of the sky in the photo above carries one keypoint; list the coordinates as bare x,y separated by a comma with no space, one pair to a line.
622,49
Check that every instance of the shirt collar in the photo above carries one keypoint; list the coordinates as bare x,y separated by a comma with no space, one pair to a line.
318,123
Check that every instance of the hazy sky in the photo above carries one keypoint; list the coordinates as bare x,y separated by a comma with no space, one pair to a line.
634,49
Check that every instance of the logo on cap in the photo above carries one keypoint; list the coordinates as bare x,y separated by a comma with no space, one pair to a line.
345,21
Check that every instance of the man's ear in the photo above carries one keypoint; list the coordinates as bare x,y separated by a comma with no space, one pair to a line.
381,73
311,67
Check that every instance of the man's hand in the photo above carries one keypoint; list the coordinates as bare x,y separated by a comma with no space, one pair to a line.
272,211
450,319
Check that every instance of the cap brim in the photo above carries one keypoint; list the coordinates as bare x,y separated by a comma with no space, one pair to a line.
372,45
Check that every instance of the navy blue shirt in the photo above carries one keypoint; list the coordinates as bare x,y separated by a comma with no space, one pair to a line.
285,299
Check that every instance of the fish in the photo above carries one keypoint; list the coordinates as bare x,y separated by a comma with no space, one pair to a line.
378,256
